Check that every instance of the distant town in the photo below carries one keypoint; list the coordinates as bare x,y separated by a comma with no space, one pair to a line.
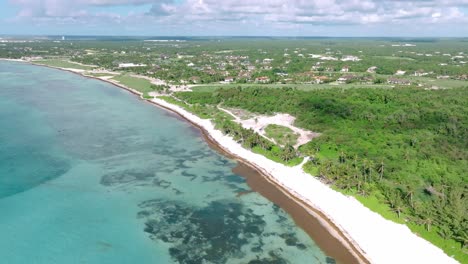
302,63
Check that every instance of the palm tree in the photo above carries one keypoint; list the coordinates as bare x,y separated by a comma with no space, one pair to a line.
359,185
264,144
409,194
317,149
406,156
228,128
427,221
396,204
364,169
367,169
288,152
445,232
355,161
342,157
250,142
398,208
257,139
381,169
462,237
370,167
364,189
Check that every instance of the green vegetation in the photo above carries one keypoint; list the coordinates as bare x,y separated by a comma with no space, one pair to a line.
379,82
139,84
204,112
290,61
299,86
251,140
404,148
393,58
64,64
281,134
98,74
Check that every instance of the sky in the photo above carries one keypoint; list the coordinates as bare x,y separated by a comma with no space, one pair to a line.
342,18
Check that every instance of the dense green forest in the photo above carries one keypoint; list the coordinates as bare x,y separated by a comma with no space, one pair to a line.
406,146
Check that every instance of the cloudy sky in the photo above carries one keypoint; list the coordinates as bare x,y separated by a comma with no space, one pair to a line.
236,17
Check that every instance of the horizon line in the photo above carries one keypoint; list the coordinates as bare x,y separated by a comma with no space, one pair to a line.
223,36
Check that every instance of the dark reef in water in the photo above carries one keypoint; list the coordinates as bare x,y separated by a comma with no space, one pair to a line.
123,177
211,234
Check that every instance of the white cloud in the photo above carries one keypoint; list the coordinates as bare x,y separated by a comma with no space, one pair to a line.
314,11
269,14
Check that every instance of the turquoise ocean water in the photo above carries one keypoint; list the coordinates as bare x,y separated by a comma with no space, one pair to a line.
91,174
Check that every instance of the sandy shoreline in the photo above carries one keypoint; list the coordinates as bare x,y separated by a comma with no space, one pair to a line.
323,231
371,237
368,236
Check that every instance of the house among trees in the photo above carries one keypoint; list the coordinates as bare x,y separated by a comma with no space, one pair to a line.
262,79
398,81
251,68
443,77
345,69
350,58
367,79
229,79
372,69
210,72
420,73
194,79
244,74
316,67
130,65
320,79
462,77
32,58
346,79
400,72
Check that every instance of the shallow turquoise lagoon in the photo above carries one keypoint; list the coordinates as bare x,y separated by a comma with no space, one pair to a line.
91,174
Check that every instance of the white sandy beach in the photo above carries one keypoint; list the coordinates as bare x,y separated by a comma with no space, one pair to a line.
380,240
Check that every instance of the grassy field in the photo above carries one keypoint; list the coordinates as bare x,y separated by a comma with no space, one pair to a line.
394,58
281,134
138,84
304,87
446,84
204,112
99,74
439,82
64,64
